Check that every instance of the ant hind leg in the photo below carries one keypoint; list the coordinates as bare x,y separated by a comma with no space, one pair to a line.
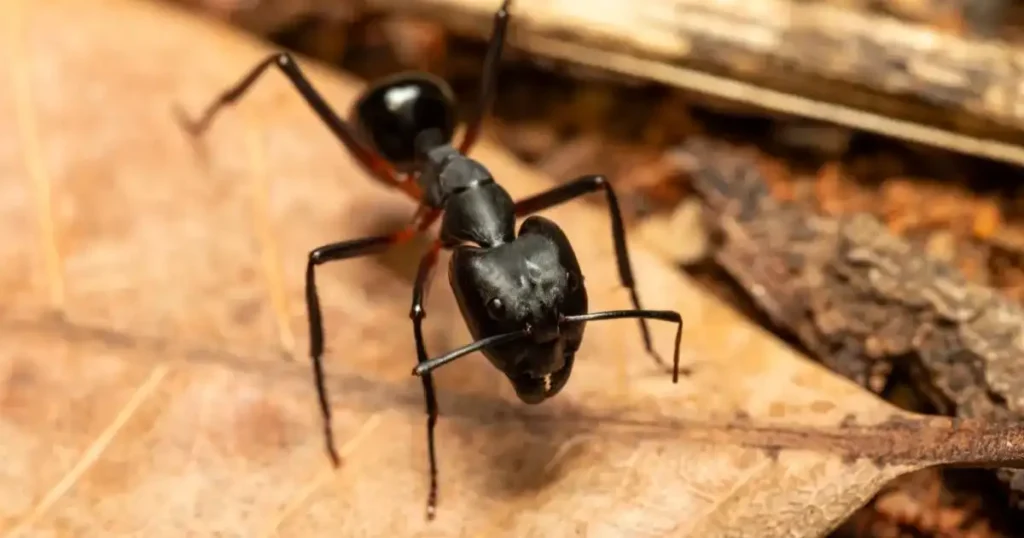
341,129
489,78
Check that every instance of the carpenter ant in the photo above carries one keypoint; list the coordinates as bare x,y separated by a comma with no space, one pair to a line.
522,296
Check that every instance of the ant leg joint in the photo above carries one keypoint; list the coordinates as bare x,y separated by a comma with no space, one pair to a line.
417,312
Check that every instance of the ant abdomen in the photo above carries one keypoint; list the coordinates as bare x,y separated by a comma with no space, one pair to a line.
392,112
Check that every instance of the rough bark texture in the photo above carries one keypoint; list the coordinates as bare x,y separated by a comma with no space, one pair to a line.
863,300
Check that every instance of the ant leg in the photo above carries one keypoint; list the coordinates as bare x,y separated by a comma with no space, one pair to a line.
489,78
575,189
341,129
336,252
417,313
318,256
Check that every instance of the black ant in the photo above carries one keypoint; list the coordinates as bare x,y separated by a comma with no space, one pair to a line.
522,297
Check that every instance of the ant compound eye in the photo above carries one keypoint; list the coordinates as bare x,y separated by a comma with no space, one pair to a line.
496,308
572,281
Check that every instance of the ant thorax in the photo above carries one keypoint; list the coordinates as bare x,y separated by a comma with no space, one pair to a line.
445,171
476,208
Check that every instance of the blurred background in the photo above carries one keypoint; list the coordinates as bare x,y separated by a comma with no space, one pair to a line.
955,188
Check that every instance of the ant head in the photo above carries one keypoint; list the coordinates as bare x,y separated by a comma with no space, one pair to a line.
394,111
526,285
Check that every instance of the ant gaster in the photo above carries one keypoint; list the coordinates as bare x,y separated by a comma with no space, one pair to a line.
522,296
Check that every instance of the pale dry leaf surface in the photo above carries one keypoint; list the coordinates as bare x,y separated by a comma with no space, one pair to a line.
177,400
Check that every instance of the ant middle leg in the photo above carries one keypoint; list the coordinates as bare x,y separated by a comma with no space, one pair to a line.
489,77
378,166
586,185
336,252
417,313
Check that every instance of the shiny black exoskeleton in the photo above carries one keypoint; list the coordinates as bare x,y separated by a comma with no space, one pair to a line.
522,295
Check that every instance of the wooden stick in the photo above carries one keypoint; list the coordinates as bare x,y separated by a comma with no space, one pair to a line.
813,60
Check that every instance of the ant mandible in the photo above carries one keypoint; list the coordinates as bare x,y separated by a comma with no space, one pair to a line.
522,296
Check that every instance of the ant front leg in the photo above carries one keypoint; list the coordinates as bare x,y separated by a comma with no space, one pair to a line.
489,78
586,185
336,252
417,313
339,127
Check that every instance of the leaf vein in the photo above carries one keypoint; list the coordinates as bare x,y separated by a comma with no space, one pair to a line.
34,162
95,449
268,245
722,499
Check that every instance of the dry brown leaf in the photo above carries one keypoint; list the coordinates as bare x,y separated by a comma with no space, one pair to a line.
164,405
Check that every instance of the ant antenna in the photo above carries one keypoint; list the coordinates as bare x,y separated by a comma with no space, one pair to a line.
663,315
429,366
